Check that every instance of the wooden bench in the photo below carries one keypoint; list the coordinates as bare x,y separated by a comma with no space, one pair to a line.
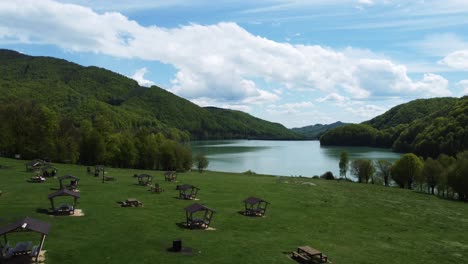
301,257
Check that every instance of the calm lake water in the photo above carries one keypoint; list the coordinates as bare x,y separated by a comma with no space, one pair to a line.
287,158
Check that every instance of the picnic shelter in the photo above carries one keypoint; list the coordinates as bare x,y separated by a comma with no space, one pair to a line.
64,208
73,182
255,206
23,248
198,216
144,179
187,191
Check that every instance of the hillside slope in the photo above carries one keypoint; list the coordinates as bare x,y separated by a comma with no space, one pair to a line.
427,127
317,130
91,93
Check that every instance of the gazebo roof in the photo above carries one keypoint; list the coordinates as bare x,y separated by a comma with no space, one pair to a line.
64,192
34,162
184,187
254,200
197,207
144,176
64,177
47,167
26,224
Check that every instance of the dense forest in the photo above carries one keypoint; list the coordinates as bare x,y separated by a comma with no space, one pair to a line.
317,130
69,113
426,127
90,93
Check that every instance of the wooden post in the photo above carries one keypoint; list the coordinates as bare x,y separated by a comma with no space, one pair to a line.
40,246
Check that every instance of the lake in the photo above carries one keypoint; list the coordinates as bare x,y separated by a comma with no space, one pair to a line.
286,158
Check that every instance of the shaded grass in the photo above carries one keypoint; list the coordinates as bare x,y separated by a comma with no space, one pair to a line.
351,223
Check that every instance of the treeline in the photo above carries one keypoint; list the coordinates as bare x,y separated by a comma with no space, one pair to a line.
426,127
446,176
32,130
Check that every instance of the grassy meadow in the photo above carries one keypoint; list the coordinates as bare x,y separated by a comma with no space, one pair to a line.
349,222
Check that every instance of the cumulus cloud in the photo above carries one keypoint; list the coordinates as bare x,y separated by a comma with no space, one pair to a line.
290,108
366,111
222,62
139,76
463,84
457,60
333,97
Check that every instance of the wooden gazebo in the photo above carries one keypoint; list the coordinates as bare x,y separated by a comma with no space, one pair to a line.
255,206
144,179
187,191
73,182
49,171
34,165
64,209
198,216
21,248
170,176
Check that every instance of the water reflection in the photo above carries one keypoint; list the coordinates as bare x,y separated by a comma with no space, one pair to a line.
306,158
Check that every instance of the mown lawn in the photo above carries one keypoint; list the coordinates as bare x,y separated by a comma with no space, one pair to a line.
351,223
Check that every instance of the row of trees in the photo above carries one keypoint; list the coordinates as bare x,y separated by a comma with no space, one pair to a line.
32,130
444,176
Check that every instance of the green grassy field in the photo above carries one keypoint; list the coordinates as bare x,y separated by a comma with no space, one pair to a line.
351,223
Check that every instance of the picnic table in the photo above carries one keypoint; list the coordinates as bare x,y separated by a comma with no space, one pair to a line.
310,255
132,202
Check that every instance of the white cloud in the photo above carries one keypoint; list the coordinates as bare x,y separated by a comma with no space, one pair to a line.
456,60
366,111
440,44
366,2
139,76
463,84
333,97
222,62
290,108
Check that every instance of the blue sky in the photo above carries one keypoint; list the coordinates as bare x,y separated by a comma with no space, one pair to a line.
295,62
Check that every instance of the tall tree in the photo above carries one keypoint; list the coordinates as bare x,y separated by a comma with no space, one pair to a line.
458,176
406,169
363,170
201,162
344,163
385,169
431,172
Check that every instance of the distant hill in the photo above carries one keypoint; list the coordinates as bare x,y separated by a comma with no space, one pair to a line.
315,131
427,127
91,93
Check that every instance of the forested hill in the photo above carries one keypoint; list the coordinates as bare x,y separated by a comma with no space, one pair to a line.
100,96
427,127
317,130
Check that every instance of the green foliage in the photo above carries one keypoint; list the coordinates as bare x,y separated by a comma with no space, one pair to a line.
327,176
458,176
343,164
363,170
406,169
426,127
316,131
432,173
384,171
114,102
201,162
350,135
